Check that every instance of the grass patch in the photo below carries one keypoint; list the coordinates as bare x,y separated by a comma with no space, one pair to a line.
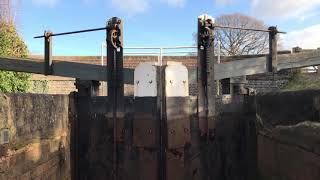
300,81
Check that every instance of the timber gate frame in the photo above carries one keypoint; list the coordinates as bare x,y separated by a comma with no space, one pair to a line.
156,138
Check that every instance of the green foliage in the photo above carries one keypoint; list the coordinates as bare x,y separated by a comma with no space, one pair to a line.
12,45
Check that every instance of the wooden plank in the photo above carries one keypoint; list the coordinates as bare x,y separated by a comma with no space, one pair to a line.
249,66
272,61
299,60
240,68
21,65
253,66
79,70
60,68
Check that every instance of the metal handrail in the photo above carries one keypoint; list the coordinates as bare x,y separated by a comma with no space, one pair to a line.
160,53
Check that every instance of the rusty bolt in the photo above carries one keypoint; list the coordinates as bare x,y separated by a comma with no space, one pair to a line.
186,130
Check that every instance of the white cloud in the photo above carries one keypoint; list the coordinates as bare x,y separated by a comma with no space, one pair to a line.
224,2
131,7
175,3
308,38
287,9
50,3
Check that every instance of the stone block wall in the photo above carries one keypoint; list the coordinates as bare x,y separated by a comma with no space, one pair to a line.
269,81
34,137
289,135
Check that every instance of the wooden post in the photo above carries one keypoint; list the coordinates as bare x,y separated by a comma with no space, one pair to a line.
211,88
237,86
79,108
48,53
272,62
87,88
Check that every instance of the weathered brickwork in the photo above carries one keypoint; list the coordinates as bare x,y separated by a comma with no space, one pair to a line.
38,145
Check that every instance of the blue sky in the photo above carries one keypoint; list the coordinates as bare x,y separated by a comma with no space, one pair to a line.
157,22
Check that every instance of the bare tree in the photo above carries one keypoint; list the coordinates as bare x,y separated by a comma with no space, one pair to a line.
241,42
9,10
5,9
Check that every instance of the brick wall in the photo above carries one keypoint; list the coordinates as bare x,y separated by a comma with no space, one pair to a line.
36,145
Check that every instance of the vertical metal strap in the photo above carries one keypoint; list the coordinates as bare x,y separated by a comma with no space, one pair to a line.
201,79
162,120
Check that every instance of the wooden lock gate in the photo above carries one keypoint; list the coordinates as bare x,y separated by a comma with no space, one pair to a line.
147,138
161,137
138,138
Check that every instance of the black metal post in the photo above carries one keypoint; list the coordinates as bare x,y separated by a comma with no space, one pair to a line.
47,53
206,83
206,88
115,81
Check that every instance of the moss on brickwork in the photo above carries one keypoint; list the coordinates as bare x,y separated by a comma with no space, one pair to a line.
41,86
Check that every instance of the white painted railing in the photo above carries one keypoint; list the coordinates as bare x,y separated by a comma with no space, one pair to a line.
156,51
